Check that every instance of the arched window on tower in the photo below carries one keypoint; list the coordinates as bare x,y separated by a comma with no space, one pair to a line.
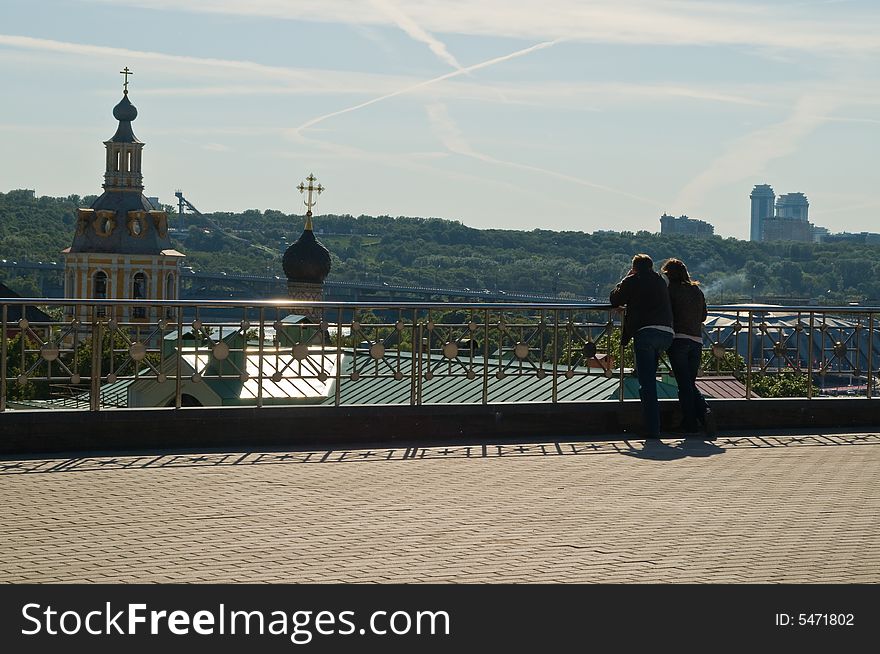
99,291
139,292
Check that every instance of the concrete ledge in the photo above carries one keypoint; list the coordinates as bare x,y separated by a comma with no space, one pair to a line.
27,432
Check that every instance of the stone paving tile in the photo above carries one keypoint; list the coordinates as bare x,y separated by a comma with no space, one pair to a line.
747,509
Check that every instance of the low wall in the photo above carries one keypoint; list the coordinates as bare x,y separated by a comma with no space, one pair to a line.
27,432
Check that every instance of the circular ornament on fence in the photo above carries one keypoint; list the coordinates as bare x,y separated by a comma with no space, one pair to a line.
472,326
471,374
112,324
197,324
399,325
22,379
300,351
839,349
718,350
322,377
499,375
161,378
196,378
377,351
429,375
74,379
589,349
137,351
23,323
450,350
398,375
278,325
355,325
429,325
49,352
355,376
245,325
569,374
243,377
541,373
779,348
323,325
111,378
277,376
220,351
521,350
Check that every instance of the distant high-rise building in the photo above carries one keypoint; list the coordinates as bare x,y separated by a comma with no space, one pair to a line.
780,228
686,226
762,197
793,205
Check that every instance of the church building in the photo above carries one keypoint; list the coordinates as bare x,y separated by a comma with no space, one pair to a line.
121,249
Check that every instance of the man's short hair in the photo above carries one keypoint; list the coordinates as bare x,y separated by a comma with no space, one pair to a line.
642,262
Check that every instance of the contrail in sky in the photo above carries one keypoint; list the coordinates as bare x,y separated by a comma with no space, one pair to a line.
455,142
421,85
414,30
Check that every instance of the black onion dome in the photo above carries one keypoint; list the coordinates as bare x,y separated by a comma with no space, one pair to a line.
125,110
306,260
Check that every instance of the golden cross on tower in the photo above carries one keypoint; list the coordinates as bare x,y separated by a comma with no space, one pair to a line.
311,179
125,71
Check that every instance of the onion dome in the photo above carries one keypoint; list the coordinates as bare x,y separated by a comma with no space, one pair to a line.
306,260
125,110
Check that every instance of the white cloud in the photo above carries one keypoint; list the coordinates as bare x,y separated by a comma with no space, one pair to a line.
601,21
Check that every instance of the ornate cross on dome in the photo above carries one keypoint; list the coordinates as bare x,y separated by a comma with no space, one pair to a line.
311,179
125,71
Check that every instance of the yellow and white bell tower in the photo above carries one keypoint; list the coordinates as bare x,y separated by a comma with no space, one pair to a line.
121,248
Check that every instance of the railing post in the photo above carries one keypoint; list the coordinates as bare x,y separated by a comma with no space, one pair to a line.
870,391
486,357
749,357
621,394
260,357
338,390
3,360
810,359
417,400
553,397
95,381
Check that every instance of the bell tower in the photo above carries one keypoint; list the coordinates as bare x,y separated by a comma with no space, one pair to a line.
121,248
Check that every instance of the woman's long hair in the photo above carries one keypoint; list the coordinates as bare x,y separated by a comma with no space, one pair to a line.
677,273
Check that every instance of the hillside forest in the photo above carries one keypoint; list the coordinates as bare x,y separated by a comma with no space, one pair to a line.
446,253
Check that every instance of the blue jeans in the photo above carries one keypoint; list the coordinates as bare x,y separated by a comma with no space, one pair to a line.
684,356
648,344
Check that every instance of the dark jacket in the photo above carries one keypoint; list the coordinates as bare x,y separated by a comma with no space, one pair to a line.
688,309
646,299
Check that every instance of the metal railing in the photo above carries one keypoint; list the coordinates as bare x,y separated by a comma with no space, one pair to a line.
98,354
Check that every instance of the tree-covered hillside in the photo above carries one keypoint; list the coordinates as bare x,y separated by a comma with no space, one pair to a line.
446,253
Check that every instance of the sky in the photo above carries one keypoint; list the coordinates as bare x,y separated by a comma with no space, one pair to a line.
562,114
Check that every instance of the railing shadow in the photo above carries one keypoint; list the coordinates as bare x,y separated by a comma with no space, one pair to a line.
667,450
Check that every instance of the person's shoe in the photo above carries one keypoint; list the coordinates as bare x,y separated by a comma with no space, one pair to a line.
709,425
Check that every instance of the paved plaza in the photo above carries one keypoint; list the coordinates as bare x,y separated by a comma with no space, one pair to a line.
749,507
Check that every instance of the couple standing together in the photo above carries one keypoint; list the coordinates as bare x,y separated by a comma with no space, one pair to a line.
665,315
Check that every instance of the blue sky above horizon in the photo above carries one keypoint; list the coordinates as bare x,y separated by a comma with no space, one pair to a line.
563,114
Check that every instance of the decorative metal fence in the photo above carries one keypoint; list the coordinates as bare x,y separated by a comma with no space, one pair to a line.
99,354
